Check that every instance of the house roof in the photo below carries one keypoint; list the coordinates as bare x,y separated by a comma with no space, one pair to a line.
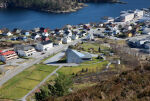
46,42
23,47
7,53
82,55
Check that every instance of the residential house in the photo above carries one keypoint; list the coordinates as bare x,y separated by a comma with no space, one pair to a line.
23,38
147,45
37,30
66,40
146,31
26,33
45,34
75,37
90,37
74,56
7,55
24,50
14,38
7,34
68,33
139,13
44,46
1,32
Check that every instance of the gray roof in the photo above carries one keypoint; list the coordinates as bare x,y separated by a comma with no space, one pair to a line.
82,55
46,42
23,47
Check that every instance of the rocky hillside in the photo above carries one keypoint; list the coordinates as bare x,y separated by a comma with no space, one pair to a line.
98,0
128,86
56,6
44,5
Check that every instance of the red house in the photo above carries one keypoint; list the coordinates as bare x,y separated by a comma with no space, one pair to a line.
7,55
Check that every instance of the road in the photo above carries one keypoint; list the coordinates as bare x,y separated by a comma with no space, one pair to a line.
24,66
55,58
41,83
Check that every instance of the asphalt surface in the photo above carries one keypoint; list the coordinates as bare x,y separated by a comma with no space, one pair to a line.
55,58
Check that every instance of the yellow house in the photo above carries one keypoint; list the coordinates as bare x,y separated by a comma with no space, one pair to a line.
130,35
1,32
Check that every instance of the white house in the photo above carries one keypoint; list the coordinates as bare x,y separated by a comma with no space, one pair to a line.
66,40
74,56
44,46
36,36
45,34
127,17
24,50
139,13
90,36
75,37
7,34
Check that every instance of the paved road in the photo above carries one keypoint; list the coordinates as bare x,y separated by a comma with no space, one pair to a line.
55,58
41,83
24,66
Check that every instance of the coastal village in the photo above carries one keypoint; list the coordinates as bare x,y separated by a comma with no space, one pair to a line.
69,44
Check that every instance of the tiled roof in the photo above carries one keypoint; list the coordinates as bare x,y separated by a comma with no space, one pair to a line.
7,53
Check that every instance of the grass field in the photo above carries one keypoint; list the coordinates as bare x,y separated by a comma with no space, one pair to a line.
22,83
93,66
76,87
94,46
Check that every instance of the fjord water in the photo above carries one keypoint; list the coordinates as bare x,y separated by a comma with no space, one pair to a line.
28,19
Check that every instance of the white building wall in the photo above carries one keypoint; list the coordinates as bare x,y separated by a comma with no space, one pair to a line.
127,17
48,46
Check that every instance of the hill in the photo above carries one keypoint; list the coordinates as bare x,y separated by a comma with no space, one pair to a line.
57,6
133,85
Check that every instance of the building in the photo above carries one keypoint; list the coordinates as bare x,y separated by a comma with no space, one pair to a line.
127,17
66,40
44,46
90,37
7,55
7,34
75,37
24,50
147,45
139,13
74,56
146,31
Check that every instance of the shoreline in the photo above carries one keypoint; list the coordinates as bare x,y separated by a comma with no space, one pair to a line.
81,5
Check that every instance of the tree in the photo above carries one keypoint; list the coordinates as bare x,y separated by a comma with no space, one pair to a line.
62,84
60,88
44,93
71,47
99,50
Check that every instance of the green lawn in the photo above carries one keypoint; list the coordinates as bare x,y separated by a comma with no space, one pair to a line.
95,46
22,83
1,63
92,67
